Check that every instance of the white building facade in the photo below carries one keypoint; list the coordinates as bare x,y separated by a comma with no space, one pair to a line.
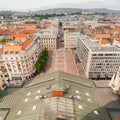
49,38
115,82
70,40
98,61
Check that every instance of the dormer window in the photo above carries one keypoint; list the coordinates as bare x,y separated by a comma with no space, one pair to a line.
5,52
16,52
11,52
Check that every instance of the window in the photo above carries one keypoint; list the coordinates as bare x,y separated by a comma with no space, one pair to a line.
16,52
100,54
11,52
94,54
5,52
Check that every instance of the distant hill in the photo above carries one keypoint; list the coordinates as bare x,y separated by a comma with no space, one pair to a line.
105,10
59,10
74,10
7,12
62,10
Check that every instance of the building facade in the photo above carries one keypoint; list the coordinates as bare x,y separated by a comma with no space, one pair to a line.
19,60
115,82
49,38
98,61
70,39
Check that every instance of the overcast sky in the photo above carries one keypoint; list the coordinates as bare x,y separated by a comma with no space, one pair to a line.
46,4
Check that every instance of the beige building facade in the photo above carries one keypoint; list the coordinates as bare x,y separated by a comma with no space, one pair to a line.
49,38
19,60
70,39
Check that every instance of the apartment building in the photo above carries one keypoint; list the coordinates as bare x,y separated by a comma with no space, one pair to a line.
115,82
4,80
70,25
70,39
3,72
49,24
1,84
49,38
100,31
98,61
19,59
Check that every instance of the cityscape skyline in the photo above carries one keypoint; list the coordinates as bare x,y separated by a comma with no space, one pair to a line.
59,59
21,5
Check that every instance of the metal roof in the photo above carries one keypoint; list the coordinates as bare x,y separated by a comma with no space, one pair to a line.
77,103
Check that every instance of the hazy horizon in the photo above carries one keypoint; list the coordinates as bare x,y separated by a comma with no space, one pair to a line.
22,5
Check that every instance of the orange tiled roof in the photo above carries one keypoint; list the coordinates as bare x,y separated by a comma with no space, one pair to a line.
19,36
28,31
20,28
117,28
103,42
27,43
117,39
5,32
102,36
26,26
13,48
31,27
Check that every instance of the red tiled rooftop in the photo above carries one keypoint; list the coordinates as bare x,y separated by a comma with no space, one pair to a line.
33,27
19,28
5,32
26,43
19,36
103,42
13,48
117,28
28,32
102,36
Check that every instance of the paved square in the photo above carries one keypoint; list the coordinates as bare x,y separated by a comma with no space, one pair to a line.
61,60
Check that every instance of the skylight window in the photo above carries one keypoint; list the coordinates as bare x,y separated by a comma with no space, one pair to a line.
37,97
28,94
34,107
26,99
38,91
19,112
77,91
87,94
78,96
89,99
96,112
80,107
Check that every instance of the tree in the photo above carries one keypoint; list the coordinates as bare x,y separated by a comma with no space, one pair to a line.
60,24
41,62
